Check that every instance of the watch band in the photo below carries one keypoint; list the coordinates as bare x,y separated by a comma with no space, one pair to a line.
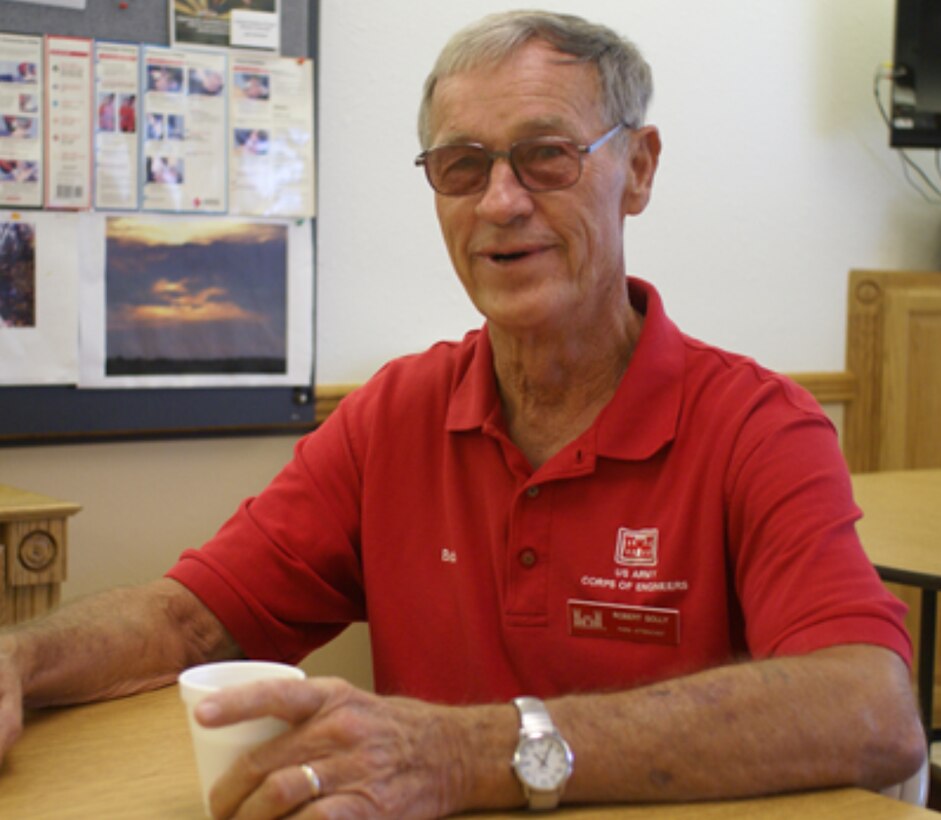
536,723
534,717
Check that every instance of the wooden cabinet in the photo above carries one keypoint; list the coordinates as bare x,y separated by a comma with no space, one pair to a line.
33,552
893,347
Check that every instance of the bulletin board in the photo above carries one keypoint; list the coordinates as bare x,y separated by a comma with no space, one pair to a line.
44,414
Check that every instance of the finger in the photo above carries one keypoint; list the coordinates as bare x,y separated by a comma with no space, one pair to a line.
290,700
255,778
11,726
345,806
280,793
11,713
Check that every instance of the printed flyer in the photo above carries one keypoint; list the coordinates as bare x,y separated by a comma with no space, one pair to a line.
69,122
21,104
272,136
117,101
184,161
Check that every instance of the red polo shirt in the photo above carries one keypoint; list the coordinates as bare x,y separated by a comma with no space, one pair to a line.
706,515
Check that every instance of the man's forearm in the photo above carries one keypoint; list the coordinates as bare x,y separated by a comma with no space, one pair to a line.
115,643
842,716
836,717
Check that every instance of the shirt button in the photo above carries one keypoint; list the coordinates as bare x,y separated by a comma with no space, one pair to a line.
528,557
532,492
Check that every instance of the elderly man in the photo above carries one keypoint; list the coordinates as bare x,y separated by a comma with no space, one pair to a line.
601,560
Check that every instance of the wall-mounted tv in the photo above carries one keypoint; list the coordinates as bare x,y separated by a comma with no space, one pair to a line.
916,75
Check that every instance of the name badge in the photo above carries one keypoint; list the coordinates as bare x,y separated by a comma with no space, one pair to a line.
641,624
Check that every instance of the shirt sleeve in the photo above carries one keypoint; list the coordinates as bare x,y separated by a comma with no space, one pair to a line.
801,576
283,574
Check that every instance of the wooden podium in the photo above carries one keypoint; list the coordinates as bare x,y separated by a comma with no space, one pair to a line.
33,553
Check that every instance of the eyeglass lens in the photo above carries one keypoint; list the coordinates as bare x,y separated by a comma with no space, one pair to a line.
540,165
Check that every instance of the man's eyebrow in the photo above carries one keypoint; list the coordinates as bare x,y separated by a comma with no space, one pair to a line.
543,125
549,124
457,138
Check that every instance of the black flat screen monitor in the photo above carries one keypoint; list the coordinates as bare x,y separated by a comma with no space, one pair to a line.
916,86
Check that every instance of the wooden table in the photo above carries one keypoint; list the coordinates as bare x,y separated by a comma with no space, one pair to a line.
33,552
132,759
901,533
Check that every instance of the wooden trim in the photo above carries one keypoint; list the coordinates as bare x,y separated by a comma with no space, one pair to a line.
327,397
864,305
837,387
827,387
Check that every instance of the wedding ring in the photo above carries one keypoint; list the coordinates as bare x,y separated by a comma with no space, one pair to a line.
313,779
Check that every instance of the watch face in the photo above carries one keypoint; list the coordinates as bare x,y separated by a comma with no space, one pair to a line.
543,763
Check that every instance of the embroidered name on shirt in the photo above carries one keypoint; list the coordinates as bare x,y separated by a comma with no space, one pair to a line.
640,624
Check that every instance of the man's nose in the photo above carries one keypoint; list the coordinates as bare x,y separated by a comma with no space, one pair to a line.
504,199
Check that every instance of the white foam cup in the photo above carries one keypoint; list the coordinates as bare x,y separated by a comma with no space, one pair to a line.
217,748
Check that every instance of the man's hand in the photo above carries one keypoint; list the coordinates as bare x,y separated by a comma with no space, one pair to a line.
11,699
374,756
111,644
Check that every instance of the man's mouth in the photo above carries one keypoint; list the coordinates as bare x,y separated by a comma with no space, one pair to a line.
508,257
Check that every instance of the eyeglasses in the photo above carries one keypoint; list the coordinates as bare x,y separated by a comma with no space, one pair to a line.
540,164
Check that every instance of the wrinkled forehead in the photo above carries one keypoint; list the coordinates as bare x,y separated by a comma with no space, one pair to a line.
535,81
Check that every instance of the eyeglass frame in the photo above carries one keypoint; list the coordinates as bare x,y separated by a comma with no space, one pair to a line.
492,156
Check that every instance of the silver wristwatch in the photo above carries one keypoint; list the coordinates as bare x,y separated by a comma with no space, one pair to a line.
543,760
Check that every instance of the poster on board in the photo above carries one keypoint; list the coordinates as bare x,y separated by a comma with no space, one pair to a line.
39,255
228,23
184,164
68,137
21,133
117,153
170,301
271,144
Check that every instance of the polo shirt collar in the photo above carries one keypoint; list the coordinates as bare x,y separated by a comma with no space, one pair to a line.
474,399
644,412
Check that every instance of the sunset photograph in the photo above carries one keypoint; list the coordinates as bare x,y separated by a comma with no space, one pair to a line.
17,274
195,297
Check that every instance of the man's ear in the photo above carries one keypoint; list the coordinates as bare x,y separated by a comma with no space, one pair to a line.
643,157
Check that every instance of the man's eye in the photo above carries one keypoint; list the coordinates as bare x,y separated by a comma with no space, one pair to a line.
463,162
545,153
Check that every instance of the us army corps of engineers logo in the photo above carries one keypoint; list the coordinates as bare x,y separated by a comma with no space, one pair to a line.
637,548
636,563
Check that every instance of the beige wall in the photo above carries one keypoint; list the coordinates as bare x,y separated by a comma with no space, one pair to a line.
776,176
145,502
